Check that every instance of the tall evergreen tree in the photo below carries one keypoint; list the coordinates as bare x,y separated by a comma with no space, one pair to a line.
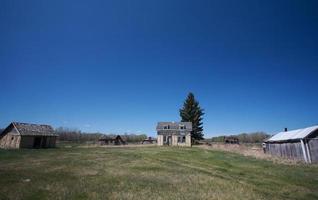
191,112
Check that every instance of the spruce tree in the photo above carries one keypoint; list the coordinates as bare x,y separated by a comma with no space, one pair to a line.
191,112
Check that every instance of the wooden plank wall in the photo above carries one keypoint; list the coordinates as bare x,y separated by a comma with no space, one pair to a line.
286,150
313,149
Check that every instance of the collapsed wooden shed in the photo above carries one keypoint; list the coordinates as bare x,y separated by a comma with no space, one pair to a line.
301,144
24,135
231,140
115,140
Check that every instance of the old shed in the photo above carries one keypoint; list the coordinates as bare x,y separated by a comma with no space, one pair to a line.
300,144
24,135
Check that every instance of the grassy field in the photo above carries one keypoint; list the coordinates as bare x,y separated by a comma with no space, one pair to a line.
149,173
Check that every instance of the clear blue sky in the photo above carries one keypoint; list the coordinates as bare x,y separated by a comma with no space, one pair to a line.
122,66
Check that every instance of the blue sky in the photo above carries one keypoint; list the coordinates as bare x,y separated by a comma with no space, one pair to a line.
122,66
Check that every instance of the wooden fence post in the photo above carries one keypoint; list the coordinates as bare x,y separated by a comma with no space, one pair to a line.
304,150
308,152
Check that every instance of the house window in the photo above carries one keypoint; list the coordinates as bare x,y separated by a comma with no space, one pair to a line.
164,138
183,139
179,139
166,127
12,138
182,127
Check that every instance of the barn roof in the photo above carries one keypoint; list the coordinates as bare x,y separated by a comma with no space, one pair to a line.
34,129
174,125
294,134
111,137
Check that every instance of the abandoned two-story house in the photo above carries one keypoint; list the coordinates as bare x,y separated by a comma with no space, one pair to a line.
174,133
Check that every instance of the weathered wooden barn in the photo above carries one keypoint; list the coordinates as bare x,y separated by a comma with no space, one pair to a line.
301,144
174,133
115,140
23,135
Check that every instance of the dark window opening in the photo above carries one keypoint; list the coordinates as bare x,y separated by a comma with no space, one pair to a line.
181,139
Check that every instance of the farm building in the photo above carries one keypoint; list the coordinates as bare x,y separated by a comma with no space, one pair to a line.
231,140
149,140
24,135
115,140
174,133
301,144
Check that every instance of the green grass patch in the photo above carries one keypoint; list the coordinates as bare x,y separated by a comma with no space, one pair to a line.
149,173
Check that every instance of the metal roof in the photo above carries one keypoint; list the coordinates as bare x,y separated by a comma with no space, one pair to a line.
294,134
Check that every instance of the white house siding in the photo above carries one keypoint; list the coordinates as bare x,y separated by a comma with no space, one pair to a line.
186,143
160,140
174,140
188,140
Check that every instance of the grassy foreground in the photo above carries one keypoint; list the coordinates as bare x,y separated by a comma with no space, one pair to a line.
149,173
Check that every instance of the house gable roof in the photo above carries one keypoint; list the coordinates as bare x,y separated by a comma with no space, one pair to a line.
174,126
293,135
6,130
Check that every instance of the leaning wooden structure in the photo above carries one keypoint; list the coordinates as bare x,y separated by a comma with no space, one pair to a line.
24,135
301,144
111,140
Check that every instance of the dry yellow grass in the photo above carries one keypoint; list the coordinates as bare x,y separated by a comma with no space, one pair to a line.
254,151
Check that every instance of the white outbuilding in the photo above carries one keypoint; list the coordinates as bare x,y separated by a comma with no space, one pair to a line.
300,144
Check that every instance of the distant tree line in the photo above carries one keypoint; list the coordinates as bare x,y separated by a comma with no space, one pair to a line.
73,135
256,137
134,138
